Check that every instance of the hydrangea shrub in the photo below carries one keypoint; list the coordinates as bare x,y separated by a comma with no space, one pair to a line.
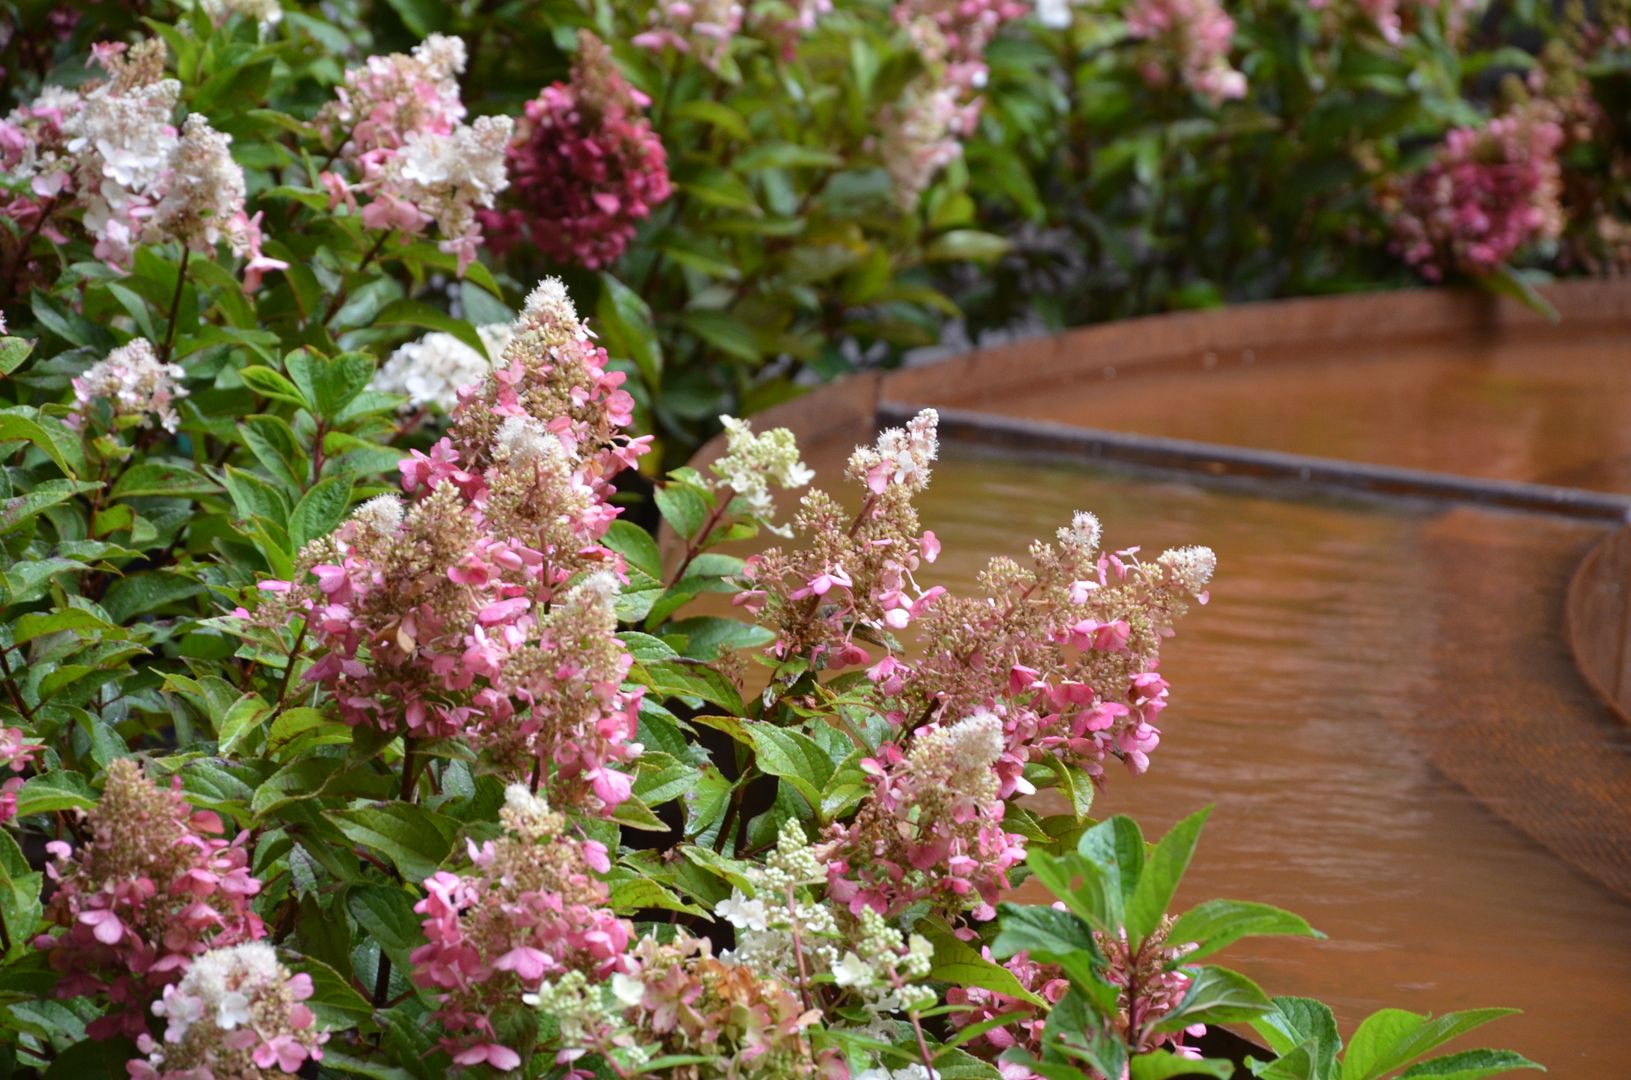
354,719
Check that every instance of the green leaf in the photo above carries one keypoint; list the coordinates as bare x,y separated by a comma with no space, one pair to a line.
1470,1065
627,330
1298,1063
644,647
336,1002
794,757
254,496
1161,874
725,332
53,791
1074,784
1056,937
415,313
1162,1064
1392,1038
785,155
1510,283
142,594
302,778
636,893
967,245
302,729
960,964
62,450
717,113
1115,847
246,715
273,442
413,839
422,17
1302,1022
682,506
1215,924
271,384
15,511
169,479
19,895
681,680
1217,996
40,623
320,510
707,636
330,382
386,916
13,351
636,546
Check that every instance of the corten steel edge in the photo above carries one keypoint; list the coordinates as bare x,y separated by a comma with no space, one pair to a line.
1582,812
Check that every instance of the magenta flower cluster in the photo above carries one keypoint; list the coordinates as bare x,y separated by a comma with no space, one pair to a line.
110,152
16,754
483,608
1057,662
150,889
585,166
1190,42
1489,193
397,123
527,909
1150,983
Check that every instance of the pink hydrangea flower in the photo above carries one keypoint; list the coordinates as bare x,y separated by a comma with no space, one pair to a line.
524,911
153,888
1488,193
585,166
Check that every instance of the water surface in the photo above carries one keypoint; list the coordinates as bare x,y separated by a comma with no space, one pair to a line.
1543,407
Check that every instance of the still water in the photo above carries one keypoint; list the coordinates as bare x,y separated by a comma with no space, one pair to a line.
1352,653
1544,407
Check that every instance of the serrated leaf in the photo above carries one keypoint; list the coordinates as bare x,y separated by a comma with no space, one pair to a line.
1469,1065
1217,996
320,510
1159,878
961,964
1215,924
794,757
168,479
17,428
411,838
247,714
19,895
13,351
53,791
1392,1038
39,623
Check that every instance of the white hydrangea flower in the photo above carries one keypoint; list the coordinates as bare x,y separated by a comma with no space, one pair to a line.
751,463
432,370
1054,14
204,202
1083,532
852,971
383,514
1191,567
743,913
627,989
264,12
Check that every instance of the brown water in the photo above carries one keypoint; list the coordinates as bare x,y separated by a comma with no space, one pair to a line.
1546,407
1353,652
